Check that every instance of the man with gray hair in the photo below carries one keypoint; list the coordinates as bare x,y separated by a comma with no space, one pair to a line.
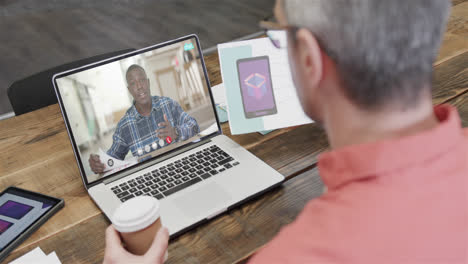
397,174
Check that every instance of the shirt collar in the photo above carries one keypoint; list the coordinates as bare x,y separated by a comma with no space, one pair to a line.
356,162
137,114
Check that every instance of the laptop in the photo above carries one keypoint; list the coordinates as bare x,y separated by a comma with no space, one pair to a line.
145,123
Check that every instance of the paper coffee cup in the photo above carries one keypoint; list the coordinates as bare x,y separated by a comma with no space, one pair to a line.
138,221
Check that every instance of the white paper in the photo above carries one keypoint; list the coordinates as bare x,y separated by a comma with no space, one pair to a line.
111,163
211,129
117,164
37,256
219,94
30,257
289,109
53,259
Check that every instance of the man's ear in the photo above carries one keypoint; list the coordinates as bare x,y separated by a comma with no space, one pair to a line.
309,56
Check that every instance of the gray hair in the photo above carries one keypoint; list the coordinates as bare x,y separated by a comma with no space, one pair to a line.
383,49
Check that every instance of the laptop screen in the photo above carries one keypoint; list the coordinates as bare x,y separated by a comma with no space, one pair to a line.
134,108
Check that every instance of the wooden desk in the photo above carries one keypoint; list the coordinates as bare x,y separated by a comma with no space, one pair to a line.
36,154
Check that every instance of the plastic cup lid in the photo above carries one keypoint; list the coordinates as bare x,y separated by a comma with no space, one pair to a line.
136,214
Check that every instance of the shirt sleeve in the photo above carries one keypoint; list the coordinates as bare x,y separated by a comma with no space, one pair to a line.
119,148
187,125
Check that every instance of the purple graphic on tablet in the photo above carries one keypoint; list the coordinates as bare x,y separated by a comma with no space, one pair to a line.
14,209
4,225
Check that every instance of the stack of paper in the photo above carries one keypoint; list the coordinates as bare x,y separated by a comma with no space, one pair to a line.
37,256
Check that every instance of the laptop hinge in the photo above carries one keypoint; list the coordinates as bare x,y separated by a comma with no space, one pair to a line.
155,161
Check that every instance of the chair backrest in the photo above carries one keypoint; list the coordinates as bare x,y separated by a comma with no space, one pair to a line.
37,91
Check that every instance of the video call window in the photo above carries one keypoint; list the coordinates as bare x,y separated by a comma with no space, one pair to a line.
14,209
4,225
131,110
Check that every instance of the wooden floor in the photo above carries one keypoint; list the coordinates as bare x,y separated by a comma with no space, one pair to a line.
37,35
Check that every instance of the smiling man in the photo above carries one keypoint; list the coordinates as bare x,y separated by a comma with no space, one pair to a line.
152,122
397,171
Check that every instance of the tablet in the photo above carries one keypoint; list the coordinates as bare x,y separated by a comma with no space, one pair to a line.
21,213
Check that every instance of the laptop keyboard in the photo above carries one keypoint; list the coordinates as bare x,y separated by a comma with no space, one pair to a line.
177,175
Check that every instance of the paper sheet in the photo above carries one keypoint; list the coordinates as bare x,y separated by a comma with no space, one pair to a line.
37,256
219,94
110,162
30,257
52,258
113,165
211,129
289,110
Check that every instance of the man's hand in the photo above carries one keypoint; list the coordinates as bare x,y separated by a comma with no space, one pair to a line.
115,253
166,130
95,163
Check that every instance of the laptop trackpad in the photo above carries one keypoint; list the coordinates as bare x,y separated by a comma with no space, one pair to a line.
202,200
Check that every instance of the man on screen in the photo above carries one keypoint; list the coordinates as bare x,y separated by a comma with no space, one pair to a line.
152,122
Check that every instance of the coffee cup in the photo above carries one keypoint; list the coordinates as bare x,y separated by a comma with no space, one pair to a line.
138,221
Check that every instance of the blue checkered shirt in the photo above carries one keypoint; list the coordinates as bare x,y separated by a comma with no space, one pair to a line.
135,131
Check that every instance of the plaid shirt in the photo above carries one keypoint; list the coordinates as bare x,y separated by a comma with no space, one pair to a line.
135,131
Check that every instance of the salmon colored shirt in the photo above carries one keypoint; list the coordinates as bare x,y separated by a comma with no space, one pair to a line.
401,200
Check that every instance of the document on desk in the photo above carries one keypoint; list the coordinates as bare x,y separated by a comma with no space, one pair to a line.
260,93
37,256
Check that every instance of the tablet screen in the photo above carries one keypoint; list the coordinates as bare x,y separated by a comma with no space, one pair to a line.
18,211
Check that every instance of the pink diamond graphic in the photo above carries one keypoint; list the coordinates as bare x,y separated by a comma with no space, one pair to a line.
256,84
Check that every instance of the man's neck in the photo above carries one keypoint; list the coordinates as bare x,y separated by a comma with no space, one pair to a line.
349,125
143,109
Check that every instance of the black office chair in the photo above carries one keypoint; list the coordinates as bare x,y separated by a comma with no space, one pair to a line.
37,91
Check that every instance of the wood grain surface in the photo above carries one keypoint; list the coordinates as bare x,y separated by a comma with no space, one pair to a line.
37,155
450,79
461,102
455,39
